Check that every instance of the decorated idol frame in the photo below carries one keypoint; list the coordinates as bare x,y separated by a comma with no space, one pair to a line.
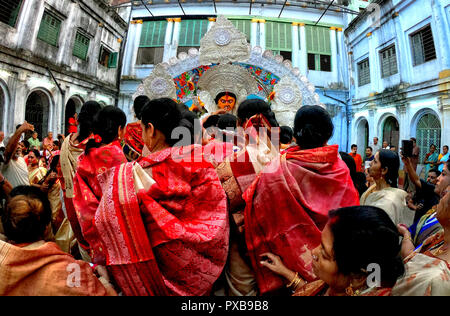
226,63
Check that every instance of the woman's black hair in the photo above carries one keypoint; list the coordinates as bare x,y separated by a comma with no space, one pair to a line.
30,226
139,104
313,127
222,94
252,107
165,116
37,153
86,119
390,160
286,135
211,121
366,235
227,121
192,123
106,125
358,178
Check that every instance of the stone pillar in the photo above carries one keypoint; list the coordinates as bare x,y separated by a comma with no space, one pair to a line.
405,65
334,56
373,64
135,46
303,58
254,33
212,21
175,37
341,53
295,45
262,33
168,40
441,39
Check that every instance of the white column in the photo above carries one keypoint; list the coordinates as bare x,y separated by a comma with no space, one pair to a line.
135,47
295,45
175,38
212,21
254,33
442,42
129,49
405,65
262,34
303,65
168,40
334,55
342,64
374,65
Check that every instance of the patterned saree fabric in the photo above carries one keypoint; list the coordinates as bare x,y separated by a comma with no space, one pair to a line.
88,193
288,205
426,274
164,224
133,143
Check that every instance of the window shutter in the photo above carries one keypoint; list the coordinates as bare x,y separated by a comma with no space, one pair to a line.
318,40
278,36
363,73
191,32
9,11
423,48
112,63
81,46
388,59
243,26
153,34
49,29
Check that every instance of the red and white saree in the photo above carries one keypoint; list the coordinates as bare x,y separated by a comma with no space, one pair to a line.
164,225
87,192
287,208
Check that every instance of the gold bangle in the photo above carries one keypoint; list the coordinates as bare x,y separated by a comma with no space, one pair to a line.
297,282
292,282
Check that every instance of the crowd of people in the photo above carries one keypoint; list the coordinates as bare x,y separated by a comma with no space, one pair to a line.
225,205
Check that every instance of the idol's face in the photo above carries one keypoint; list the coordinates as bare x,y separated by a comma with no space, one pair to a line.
227,103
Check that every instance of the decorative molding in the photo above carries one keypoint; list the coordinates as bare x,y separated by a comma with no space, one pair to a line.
224,43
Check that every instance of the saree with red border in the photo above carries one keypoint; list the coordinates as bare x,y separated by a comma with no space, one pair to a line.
287,208
87,192
164,225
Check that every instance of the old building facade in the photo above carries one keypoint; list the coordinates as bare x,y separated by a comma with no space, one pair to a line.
54,56
400,74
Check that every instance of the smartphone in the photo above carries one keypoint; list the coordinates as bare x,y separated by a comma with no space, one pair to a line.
407,148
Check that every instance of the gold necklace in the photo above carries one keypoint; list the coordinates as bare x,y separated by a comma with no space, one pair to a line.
441,250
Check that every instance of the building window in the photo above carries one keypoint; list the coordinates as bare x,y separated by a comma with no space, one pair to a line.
363,72
318,45
388,60
191,32
151,46
81,46
279,38
243,26
422,43
107,58
49,29
9,11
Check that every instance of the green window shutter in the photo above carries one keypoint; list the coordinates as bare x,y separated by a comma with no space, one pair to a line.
278,36
243,26
81,46
318,40
49,29
153,34
191,32
11,10
112,62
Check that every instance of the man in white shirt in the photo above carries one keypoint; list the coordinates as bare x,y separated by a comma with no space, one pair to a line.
14,168
375,147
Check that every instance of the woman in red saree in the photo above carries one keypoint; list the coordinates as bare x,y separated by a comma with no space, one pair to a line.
71,149
343,263
287,206
102,152
163,221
